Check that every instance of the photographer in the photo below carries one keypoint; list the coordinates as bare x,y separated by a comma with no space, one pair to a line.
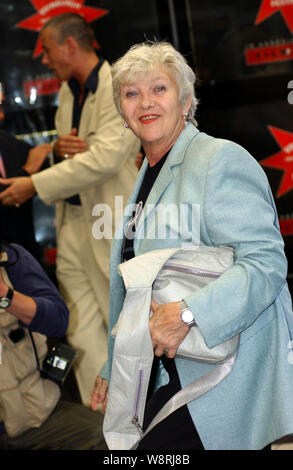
32,416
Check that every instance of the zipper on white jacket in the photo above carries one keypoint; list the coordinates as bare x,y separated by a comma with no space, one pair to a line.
135,419
186,269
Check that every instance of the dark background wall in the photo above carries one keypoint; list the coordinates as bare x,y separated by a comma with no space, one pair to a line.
243,69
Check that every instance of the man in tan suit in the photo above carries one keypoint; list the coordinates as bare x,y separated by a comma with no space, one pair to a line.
103,166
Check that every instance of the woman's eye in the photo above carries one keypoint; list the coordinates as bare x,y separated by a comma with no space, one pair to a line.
130,94
160,89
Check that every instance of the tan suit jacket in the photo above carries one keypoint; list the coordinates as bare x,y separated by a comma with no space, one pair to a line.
106,169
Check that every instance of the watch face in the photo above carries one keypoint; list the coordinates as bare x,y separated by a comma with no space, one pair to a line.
187,316
4,303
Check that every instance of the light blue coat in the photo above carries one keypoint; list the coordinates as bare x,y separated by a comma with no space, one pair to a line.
253,406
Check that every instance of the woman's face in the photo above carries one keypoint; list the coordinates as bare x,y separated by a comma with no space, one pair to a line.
152,110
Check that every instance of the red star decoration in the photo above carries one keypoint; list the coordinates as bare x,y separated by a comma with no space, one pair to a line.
46,9
269,7
282,160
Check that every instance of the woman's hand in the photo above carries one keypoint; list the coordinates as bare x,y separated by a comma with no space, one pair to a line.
99,394
166,328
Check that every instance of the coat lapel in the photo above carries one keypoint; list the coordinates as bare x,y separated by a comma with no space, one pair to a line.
164,179
86,114
166,175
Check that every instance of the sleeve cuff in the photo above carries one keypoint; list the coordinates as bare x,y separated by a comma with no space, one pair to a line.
104,372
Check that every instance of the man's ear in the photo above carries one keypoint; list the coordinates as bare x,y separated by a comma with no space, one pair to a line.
71,44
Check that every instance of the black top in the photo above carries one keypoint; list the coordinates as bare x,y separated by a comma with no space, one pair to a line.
16,223
150,177
91,84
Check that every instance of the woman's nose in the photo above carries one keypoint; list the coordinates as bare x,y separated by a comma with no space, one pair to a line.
146,101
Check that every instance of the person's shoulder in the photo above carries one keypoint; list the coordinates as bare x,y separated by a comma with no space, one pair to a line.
105,65
64,89
15,251
227,156
21,262
205,152
18,255
217,147
204,147
214,142
105,71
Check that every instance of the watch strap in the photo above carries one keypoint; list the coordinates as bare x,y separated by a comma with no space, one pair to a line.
183,306
10,294
7,298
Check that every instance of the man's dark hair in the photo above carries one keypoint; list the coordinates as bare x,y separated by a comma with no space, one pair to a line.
74,25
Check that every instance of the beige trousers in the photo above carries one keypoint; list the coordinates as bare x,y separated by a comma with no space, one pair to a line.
85,290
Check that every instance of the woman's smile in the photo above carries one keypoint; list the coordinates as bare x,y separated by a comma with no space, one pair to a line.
147,119
152,109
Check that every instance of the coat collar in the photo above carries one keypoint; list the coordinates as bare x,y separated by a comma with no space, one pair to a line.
165,177
91,83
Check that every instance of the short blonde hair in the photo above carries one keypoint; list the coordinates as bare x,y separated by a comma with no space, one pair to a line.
143,58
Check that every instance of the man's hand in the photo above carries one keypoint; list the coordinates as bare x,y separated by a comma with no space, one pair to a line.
99,394
19,190
166,328
69,144
36,158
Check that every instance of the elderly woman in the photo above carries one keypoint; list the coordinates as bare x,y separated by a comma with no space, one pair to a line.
253,406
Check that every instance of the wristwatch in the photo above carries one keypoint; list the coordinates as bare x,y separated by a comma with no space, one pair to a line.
186,314
5,301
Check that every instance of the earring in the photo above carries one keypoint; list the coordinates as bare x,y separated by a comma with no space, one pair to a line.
125,125
185,115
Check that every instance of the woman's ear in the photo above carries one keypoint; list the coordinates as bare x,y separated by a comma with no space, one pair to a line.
186,108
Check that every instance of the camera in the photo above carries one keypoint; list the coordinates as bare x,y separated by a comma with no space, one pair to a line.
58,362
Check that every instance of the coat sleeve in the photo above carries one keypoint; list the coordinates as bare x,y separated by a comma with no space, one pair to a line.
108,151
28,278
239,211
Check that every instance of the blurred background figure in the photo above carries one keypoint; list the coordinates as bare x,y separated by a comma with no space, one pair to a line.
34,414
18,158
94,155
